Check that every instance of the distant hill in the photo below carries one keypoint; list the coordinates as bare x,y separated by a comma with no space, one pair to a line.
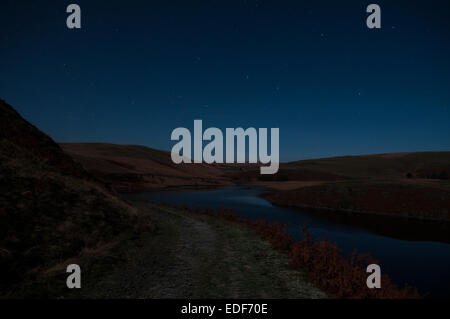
131,168
420,165
413,185
52,211
394,165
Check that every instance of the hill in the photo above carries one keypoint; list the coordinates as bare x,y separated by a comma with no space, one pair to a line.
433,165
131,168
52,211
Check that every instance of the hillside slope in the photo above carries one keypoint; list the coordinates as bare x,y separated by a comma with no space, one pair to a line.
51,211
131,168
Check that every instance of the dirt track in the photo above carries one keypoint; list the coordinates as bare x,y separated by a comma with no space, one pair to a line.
193,256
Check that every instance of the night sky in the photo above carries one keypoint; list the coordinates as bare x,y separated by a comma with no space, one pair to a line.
138,69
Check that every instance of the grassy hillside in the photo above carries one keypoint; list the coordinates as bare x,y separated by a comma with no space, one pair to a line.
394,165
52,212
131,168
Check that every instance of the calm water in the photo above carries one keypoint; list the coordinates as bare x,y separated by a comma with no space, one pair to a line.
423,264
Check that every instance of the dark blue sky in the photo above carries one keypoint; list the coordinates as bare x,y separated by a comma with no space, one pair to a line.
138,69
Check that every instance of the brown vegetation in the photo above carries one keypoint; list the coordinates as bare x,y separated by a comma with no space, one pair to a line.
131,168
382,198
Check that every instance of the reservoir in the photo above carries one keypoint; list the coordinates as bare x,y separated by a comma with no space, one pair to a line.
409,253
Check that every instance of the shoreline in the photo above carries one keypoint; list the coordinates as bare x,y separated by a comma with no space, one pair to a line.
398,227
185,188
272,190
351,212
